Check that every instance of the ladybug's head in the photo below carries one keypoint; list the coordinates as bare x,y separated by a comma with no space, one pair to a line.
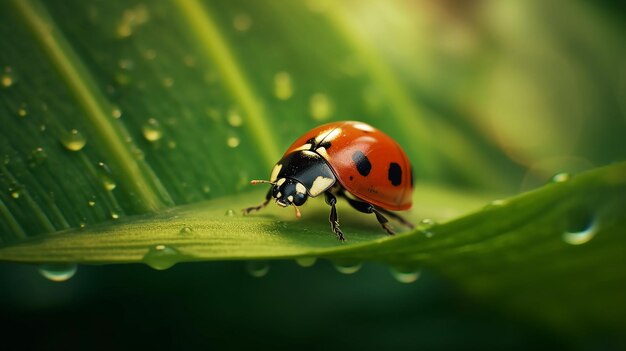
288,191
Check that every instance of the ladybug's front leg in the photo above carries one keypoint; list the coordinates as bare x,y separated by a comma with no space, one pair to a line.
256,208
334,224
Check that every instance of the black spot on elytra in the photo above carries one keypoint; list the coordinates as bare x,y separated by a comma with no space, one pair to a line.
362,163
351,178
395,174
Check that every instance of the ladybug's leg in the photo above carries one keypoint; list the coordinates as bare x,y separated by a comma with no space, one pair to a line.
397,217
369,208
334,224
268,196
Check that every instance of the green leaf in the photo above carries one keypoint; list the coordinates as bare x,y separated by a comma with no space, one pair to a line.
130,132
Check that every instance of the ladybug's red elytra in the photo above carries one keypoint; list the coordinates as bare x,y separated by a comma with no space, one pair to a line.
348,159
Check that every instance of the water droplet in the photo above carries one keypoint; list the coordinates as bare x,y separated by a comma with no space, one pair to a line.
242,22
116,112
114,215
320,107
306,261
561,177
230,213
347,267
82,225
257,269
405,275
73,140
91,203
496,204
426,225
171,144
22,111
15,194
186,230
580,227
161,257
206,189
283,89
168,82
232,142
8,78
152,130
234,118
58,272
37,157
104,173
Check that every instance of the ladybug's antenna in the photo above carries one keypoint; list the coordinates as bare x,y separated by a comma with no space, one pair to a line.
298,215
255,182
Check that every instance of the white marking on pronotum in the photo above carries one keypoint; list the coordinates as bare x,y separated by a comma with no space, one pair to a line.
300,188
322,152
329,135
290,198
279,195
280,181
320,184
304,147
364,127
275,172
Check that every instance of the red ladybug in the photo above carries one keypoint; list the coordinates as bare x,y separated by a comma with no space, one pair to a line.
352,160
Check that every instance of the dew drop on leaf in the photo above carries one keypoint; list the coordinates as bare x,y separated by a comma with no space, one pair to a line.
426,225
116,112
104,173
580,227
161,257
230,213
234,118
405,275
306,261
152,130
37,157
232,142
186,230
561,177
114,215
347,267
57,272
8,78
283,88
73,140
22,111
257,269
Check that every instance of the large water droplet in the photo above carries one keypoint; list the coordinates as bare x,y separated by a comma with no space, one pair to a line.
320,107
283,88
561,177
152,130
306,261
580,227
58,272
161,257
257,269
405,275
104,173
242,22
347,267
73,140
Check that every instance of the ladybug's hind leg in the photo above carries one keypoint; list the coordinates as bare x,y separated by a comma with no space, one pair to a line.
268,196
334,222
397,217
369,208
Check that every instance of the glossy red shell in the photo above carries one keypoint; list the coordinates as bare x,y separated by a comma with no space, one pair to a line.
377,188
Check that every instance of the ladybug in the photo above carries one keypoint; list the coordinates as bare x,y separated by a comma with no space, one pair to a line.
348,159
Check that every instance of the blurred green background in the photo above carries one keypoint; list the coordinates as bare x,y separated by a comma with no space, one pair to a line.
486,96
